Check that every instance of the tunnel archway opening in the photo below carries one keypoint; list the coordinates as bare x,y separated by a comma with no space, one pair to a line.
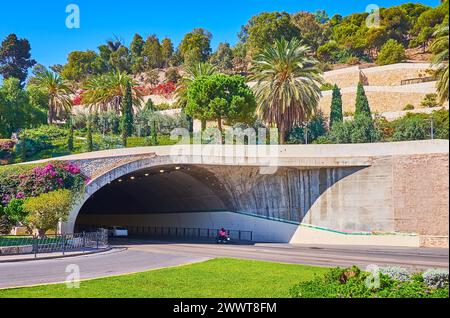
171,196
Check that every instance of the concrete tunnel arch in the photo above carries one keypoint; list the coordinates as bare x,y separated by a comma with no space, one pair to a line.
213,196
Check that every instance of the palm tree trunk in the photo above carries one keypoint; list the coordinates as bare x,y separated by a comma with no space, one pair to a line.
203,124
281,132
50,113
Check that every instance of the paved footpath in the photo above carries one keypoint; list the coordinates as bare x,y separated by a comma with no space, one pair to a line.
131,256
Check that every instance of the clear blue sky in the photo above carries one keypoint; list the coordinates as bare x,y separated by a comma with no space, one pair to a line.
43,22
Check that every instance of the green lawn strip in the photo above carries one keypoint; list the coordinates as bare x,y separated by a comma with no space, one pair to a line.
218,278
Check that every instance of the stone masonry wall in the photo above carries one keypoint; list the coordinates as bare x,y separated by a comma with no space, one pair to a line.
389,75
421,197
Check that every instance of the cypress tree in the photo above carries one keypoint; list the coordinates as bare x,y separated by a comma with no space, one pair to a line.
127,115
362,104
336,115
24,150
154,133
90,143
70,140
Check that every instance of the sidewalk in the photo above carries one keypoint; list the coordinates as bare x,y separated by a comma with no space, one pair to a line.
43,256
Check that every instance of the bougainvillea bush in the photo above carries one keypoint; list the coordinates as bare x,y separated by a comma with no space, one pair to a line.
166,89
21,184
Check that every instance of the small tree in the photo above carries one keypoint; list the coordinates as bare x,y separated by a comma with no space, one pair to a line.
336,114
127,115
392,52
48,209
362,103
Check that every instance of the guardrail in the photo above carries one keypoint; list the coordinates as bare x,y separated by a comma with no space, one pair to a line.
20,245
187,232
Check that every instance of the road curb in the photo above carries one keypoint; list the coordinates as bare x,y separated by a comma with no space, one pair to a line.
56,257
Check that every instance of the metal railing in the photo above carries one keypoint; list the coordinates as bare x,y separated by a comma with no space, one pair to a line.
82,242
187,232
179,232
418,80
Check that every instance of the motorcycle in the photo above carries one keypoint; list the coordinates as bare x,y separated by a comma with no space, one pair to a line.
223,240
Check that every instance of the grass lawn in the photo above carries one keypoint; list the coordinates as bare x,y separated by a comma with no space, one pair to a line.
218,278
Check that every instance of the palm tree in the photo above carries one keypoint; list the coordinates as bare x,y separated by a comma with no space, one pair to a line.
105,92
58,92
440,59
287,87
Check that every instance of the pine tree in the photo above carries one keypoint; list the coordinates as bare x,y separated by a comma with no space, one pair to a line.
362,104
127,115
336,115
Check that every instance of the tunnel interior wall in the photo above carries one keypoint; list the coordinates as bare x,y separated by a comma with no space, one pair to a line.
263,230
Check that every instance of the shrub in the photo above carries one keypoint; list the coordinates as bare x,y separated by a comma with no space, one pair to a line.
5,224
172,75
396,273
351,283
39,139
392,52
48,209
15,210
436,278
441,123
411,127
326,87
430,101
360,130
163,106
6,146
166,89
352,60
409,107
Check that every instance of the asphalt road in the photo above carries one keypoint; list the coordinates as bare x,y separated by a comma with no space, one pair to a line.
134,256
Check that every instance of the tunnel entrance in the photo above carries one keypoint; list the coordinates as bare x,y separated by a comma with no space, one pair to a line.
164,200
174,198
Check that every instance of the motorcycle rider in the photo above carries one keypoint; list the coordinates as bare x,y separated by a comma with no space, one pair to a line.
223,234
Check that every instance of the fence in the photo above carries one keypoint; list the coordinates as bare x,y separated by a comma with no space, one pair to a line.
418,80
82,242
185,232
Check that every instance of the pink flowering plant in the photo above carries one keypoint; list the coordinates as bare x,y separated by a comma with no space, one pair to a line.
22,182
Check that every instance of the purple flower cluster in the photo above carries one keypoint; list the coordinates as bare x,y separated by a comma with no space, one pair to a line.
42,179
72,168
